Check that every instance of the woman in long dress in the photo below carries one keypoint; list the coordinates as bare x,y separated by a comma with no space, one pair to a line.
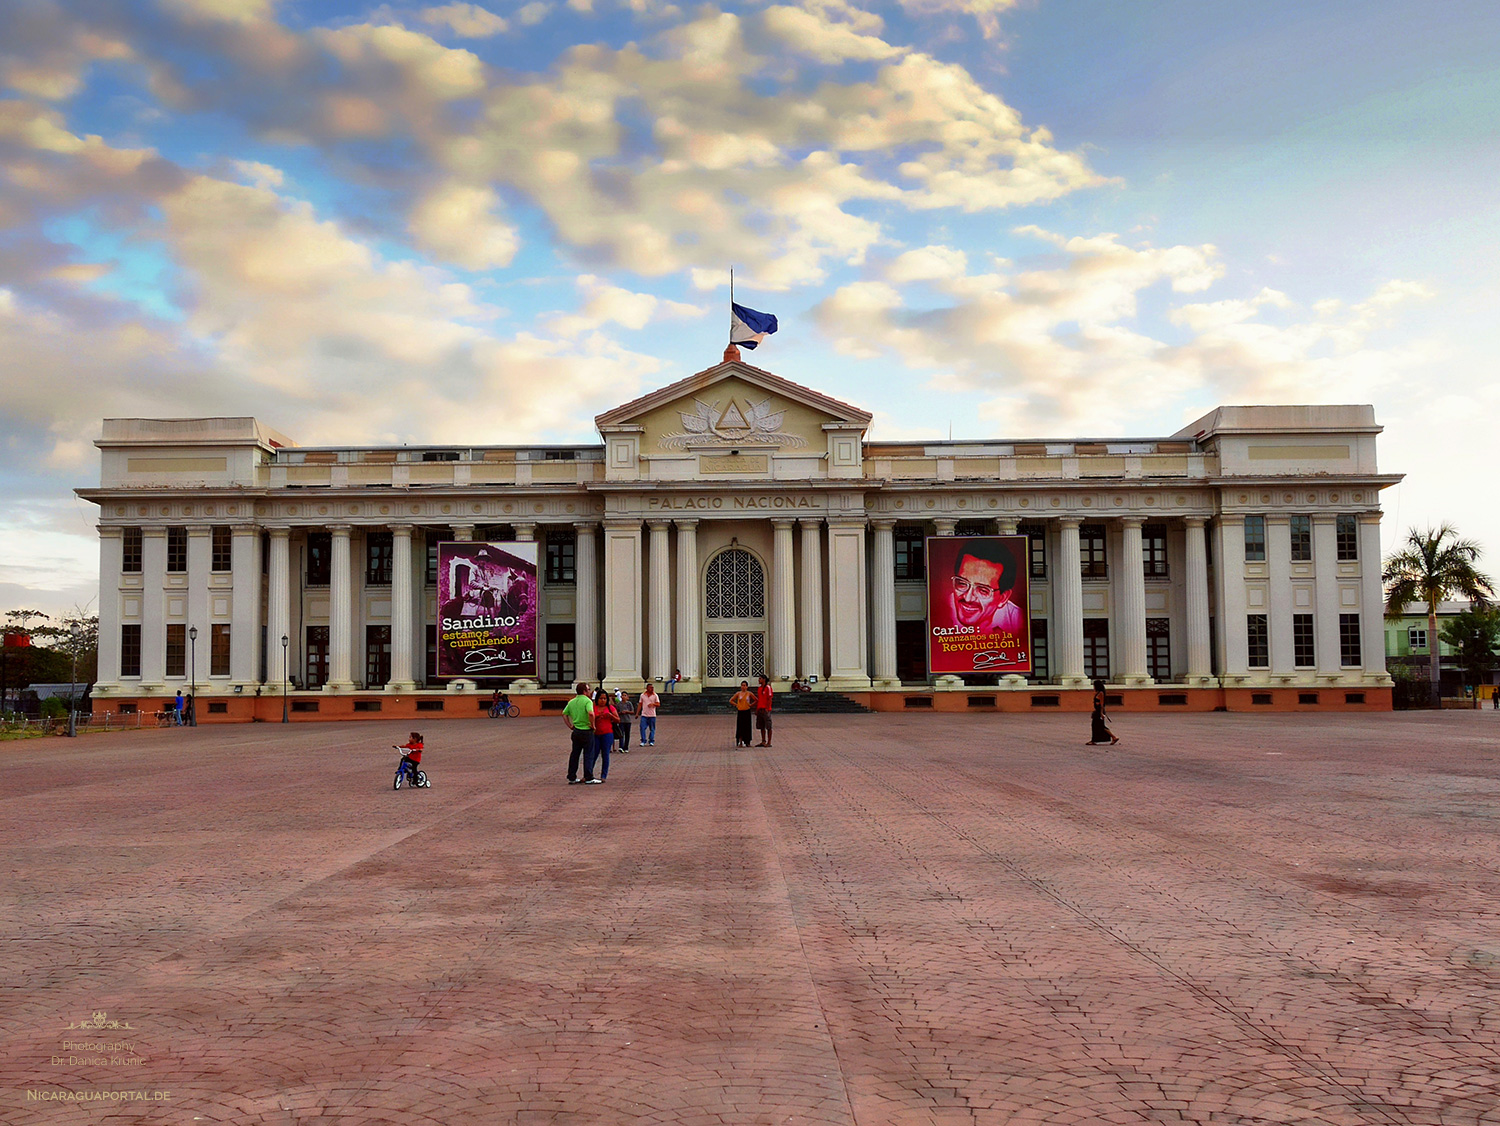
1100,732
743,702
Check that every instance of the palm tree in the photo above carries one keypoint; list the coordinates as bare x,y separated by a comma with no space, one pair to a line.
1434,565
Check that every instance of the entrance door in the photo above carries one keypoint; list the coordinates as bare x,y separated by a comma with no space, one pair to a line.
911,651
734,616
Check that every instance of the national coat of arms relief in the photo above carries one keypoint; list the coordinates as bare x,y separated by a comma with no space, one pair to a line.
754,424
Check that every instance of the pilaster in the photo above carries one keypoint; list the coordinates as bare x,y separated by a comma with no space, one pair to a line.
111,564
623,589
847,607
1130,620
1067,595
659,665
1372,601
153,610
810,627
586,609
279,610
244,616
340,611
783,603
689,608
1279,596
402,611
883,604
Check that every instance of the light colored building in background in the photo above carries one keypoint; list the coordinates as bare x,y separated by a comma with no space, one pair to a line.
736,522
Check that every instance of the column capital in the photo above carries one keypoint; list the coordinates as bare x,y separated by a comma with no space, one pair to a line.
158,531
946,525
785,523
1132,521
111,531
1195,521
658,525
1370,517
686,525
200,529
341,530
244,529
589,526
1278,517
1325,517
400,530
280,533
882,523
810,521
1069,521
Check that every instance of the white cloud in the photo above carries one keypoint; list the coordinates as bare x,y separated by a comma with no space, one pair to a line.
468,20
986,12
424,65
830,31
457,222
929,263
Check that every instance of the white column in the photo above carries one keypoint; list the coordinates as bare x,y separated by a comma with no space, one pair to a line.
1326,596
944,526
340,611
659,664
244,623
1279,594
883,604
810,628
279,610
1372,601
402,679
111,561
153,609
463,532
200,559
525,533
689,606
1067,604
586,604
1232,610
847,607
623,590
1006,526
783,662
1199,661
1130,618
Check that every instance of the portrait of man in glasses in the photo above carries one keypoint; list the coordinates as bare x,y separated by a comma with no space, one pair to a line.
979,592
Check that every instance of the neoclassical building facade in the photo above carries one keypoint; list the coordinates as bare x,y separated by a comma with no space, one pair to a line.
736,523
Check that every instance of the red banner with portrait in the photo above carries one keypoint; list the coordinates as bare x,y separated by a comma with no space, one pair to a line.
978,605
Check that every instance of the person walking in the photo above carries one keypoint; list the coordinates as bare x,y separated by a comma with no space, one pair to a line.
763,698
579,715
627,710
1100,732
743,702
649,702
606,716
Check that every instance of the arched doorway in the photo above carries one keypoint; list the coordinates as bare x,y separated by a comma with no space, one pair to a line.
734,618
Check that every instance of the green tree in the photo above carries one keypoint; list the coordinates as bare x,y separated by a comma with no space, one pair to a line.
1474,636
1434,565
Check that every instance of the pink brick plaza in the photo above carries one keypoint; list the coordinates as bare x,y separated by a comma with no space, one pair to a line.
883,919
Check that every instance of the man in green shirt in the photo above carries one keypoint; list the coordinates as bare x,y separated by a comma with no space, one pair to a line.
579,713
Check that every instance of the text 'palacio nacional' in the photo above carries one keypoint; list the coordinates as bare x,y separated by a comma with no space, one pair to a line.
736,523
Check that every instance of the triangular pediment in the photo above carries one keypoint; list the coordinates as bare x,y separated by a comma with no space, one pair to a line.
732,397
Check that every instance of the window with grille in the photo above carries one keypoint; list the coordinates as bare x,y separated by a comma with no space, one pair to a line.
1159,648
911,554
735,655
1255,539
379,556
1039,670
1257,641
222,553
973,528
130,650
377,655
435,536
735,586
1349,640
1346,533
1096,648
218,649
562,652
1091,551
317,656
1154,550
1303,655
130,551
1036,540
431,659
1301,539
562,548
319,558
177,550
176,649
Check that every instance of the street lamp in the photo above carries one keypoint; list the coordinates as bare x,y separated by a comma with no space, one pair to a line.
193,673
285,677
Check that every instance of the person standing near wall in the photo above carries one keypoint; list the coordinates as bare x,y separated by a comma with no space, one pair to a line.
579,715
763,700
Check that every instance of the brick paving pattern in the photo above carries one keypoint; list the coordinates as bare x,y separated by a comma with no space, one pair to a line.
883,919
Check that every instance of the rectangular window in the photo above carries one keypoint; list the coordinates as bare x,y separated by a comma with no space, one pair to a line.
431,665
562,557
1096,648
911,554
1416,640
1036,539
379,553
561,652
218,657
1301,539
1349,640
1302,641
1258,641
377,655
1039,670
177,649
1159,649
223,553
1154,550
130,650
177,550
130,552
436,536
319,558
1091,551
1347,534
1255,539
317,656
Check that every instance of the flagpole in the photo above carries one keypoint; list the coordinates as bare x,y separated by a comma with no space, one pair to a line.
731,304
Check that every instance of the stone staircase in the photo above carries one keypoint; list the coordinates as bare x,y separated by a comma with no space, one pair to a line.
715,701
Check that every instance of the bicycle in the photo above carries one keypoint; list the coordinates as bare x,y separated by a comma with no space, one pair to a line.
498,711
415,775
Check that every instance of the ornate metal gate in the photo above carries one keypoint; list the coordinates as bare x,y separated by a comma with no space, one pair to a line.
734,618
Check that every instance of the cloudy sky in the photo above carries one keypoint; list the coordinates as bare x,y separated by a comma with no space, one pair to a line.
486,222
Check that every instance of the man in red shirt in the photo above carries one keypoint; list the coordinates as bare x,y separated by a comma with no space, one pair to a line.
763,697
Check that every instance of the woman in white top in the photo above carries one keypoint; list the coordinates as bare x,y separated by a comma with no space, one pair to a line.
646,707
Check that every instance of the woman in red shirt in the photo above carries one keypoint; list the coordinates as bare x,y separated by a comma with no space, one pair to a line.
605,719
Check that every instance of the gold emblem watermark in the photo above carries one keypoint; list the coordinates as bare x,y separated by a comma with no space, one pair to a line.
95,1041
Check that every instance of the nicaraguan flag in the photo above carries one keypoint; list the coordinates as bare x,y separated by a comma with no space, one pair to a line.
748,328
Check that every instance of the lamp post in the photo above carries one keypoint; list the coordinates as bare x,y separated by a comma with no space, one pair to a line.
285,677
193,674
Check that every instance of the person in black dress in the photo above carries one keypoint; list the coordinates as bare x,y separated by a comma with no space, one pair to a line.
1100,732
